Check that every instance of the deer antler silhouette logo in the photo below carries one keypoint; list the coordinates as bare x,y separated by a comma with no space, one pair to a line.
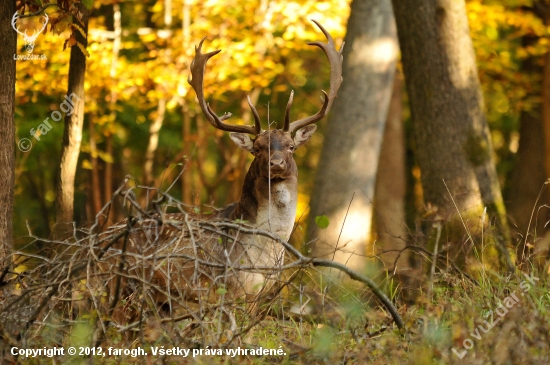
29,39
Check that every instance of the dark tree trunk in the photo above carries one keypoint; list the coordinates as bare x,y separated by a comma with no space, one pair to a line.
154,130
8,39
531,168
72,134
95,188
546,103
389,194
108,178
186,184
527,181
349,158
453,144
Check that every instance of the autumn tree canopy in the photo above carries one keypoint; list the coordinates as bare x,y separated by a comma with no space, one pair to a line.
434,158
141,118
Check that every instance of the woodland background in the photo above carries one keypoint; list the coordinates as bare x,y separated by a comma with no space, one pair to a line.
366,165
141,116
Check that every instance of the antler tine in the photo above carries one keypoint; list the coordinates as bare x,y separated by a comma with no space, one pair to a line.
45,23
335,59
198,67
14,18
14,21
257,123
287,111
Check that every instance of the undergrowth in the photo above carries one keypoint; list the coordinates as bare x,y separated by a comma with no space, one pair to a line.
312,316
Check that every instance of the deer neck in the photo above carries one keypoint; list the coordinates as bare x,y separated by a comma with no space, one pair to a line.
268,204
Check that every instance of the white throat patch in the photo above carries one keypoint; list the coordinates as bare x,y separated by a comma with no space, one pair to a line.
278,215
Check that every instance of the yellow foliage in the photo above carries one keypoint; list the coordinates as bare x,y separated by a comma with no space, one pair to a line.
303,206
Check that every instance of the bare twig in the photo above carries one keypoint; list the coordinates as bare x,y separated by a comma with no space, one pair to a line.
316,262
39,11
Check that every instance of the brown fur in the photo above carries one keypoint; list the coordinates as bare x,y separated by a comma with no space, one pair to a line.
160,252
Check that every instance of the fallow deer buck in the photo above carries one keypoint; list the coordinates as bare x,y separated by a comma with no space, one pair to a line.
189,258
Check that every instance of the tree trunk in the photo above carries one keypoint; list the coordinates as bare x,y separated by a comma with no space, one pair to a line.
186,178
453,144
117,29
527,181
108,174
95,188
154,129
72,134
7,128
532,167
546,103
389,193
345,181
186,183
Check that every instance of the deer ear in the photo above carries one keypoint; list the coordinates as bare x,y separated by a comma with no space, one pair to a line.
303,135
243,141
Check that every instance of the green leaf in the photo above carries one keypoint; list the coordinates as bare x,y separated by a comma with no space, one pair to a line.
321,221
221,291
89,4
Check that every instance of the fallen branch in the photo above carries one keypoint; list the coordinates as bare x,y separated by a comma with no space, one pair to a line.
354,275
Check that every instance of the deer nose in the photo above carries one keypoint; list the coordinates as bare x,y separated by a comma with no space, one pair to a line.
277,162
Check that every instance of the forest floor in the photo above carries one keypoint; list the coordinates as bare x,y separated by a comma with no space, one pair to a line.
495,320
485,317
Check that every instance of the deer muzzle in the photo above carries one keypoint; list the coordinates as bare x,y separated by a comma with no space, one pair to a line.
277,164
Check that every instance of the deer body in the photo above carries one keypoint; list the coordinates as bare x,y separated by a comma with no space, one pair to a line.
268,199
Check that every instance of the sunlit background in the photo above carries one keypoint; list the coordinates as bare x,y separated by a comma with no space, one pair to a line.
136,85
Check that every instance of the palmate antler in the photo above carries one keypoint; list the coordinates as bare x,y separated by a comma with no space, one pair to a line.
198,67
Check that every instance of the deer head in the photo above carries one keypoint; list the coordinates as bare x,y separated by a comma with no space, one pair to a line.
29,39
272,149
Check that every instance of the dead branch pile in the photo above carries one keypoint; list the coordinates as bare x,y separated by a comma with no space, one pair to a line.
158,271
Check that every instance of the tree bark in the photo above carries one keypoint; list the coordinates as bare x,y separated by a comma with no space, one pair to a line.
95,188
527,181
72,133
154,129
186,178
8,38
546,103
344,185
117,29
453,144
389,193
186,183
531,168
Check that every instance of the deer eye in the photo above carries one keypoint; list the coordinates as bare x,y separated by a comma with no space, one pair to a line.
256,150
291,148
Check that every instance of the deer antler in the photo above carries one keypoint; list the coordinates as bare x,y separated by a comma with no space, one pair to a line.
25,35
14,21
335,59
196,79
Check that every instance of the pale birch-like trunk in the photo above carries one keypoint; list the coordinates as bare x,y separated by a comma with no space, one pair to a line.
72,136
344,187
